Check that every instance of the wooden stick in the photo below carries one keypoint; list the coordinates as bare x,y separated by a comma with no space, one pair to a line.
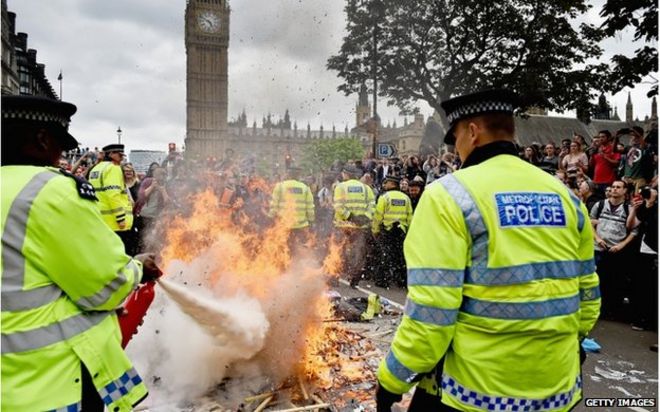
306,408
302,389
257,397
263,404
317,398
318,401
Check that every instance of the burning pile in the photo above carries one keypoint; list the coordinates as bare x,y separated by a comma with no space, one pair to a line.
260,312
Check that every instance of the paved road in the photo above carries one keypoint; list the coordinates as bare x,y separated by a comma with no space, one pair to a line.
625,366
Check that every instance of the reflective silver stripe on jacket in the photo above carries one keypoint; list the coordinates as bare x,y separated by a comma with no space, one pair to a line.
23,341
473,220
14,298
480,274
398,369
102,296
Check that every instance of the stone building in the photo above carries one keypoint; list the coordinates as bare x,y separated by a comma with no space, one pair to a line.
21,73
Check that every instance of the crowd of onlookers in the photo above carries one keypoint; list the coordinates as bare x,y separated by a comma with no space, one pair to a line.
615,175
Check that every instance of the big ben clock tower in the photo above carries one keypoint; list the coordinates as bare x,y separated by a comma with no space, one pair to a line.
207,40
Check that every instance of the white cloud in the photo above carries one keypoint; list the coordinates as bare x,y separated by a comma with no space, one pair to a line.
124,64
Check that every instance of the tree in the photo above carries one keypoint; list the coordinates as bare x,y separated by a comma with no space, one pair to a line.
320,154
433,49
643,16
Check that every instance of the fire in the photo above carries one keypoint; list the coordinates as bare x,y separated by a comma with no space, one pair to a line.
303,340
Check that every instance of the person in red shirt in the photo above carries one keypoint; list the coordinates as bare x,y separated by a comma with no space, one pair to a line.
605,162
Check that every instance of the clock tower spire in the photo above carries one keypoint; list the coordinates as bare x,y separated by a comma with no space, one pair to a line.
207,41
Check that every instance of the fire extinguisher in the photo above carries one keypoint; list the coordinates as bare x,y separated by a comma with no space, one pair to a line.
135,310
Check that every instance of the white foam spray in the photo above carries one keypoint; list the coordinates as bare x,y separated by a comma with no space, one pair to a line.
198,331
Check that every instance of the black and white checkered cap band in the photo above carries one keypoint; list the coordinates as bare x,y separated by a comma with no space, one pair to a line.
479,107
36,116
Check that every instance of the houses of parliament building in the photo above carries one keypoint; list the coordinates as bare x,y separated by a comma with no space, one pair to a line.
208,133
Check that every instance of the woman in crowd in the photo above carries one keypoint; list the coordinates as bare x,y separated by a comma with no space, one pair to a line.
580,139
413,168
432,169
587,193
530,155
449,164
550,160
150,172
153,197
575,160
132,181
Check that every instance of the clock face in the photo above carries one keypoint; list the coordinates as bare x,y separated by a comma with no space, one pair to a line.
208,22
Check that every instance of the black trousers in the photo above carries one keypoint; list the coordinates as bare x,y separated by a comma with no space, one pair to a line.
613,273
297,239
645,291
129,238
391,264
353,253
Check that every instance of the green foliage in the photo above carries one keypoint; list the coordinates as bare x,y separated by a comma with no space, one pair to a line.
433,49
320,154
643,16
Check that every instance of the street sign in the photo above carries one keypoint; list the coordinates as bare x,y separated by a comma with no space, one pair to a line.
386,150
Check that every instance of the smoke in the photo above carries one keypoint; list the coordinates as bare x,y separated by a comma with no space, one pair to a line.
205,326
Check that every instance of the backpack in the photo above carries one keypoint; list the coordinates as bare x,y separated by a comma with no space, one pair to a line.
601,205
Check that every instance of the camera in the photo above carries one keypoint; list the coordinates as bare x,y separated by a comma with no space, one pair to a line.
645,192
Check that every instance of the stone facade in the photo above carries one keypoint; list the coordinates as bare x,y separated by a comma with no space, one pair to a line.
21,73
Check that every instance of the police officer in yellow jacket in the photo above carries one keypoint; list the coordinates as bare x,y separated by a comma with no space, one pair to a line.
391,220
353,202
501,281
115,205
63,274
292,203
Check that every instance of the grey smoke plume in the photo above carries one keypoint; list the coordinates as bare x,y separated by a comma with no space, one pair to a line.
199,332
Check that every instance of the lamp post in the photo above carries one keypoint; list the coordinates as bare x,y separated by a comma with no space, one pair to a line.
377,10
119,134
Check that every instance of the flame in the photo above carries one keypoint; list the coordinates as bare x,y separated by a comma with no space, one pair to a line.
332,264
254,258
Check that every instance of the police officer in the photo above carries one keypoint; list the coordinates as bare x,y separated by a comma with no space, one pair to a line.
63,274
292,203
391,220
501,282
353,202
115,205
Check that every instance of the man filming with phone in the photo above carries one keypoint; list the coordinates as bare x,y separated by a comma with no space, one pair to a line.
639,167
644,216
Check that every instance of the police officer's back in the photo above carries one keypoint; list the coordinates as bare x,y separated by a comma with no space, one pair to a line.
63,274
391,220
503,303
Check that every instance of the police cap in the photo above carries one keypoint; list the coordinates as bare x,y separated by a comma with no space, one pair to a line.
352,170
52,115
115,147
392,178
477,104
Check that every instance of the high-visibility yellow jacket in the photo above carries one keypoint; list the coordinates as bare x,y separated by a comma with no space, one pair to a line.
501,283
114,203
352,197
63,274
292,201
392,206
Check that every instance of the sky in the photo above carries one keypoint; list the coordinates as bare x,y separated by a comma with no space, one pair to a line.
123,64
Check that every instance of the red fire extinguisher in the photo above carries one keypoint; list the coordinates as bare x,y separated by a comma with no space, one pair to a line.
135,310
